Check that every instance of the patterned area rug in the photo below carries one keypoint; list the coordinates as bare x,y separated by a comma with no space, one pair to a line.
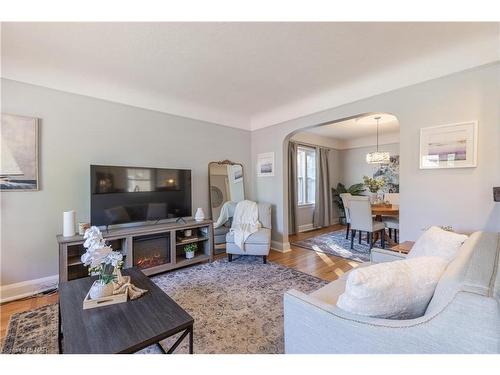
237,308
335,243
33,332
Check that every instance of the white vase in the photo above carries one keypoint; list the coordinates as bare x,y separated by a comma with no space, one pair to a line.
200,215
99,290
373,197
189,254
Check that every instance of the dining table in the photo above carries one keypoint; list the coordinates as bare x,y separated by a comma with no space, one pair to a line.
379,210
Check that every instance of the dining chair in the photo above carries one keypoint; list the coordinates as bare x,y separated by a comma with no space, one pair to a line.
392,222
345,201
362,220
392,198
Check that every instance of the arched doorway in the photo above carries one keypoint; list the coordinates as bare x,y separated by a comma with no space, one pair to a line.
350,141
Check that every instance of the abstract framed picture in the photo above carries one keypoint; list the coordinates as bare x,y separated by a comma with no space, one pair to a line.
237,173
449,146
265,164
19,153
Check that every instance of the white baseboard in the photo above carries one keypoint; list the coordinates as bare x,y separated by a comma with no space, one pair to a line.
306,227
27,288
282,247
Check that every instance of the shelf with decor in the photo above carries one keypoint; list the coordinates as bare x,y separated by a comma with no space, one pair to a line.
181,260
153,248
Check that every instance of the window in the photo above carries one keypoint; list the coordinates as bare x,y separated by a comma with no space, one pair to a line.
306,175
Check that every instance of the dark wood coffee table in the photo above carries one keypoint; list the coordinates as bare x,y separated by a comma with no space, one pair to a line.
121,328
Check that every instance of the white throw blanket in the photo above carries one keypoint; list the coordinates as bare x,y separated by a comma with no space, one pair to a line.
245,222
226,212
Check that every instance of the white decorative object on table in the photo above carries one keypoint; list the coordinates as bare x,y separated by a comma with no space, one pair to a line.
200,214
69,223
99,290
102,260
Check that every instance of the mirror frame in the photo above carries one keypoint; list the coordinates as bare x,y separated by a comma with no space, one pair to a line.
222,162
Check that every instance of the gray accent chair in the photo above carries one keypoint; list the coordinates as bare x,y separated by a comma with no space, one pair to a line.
221,232
258,243
463,316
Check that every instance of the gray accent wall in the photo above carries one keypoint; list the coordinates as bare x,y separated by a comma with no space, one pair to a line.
458,197
77,131
353,165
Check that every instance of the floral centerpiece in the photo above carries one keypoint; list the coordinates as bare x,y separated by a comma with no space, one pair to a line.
374,185
102,261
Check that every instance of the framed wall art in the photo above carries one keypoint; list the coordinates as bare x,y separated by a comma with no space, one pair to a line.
19,153
265,164
449,146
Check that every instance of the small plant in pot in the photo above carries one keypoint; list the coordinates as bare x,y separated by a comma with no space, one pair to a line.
190,250
102,261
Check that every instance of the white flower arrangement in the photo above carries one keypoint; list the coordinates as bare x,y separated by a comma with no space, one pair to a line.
100,258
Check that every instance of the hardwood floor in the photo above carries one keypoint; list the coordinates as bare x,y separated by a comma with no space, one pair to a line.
324,266
10,308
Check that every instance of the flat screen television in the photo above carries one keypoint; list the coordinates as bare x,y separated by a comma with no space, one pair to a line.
132,194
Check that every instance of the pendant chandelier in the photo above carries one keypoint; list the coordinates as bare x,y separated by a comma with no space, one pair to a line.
378,157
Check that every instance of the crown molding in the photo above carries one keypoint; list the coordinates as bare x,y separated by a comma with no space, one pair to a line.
116,93
469,55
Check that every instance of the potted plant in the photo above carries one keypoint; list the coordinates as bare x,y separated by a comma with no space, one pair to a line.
102,261
374,185
190,249
356,189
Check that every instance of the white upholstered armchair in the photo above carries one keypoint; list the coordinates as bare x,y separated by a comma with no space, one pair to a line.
258,243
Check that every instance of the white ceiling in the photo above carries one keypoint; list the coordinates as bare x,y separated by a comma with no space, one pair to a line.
245,75
357,128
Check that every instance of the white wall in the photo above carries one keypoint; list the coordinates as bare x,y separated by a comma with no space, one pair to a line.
353,165
76,131
458,197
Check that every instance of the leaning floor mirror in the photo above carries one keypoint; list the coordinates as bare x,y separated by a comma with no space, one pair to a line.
226,185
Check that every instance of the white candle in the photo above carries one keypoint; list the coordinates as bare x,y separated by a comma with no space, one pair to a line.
69,223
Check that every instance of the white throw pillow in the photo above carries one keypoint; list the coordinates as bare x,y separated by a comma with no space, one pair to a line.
398,290
437,242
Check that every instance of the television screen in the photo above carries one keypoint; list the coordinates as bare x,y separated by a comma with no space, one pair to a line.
130,194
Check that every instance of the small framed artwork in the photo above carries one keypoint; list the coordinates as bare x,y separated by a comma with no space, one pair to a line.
237,173
449,146
265,164
19,155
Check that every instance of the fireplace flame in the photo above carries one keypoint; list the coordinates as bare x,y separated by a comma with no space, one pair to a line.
151,261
